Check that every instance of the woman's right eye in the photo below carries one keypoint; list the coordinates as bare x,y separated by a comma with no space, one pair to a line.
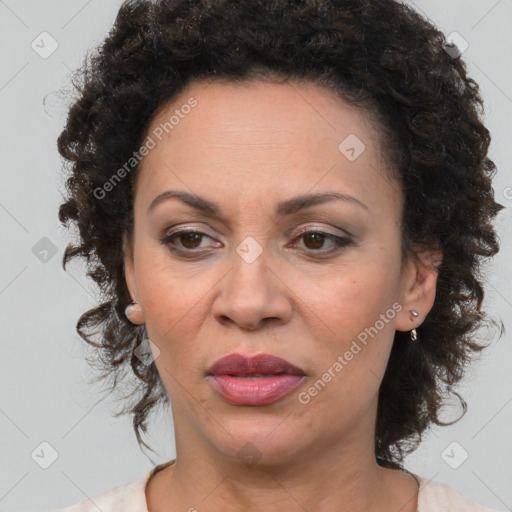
188,240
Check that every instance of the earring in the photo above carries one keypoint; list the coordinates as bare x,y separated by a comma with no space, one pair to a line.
134,313
414,334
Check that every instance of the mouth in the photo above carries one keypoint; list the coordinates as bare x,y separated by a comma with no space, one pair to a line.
257,380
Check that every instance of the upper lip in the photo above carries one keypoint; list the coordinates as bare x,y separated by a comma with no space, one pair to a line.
266,364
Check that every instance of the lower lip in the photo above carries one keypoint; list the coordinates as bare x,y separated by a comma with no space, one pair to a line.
255,391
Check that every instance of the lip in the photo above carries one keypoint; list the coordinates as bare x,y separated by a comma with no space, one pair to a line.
254,380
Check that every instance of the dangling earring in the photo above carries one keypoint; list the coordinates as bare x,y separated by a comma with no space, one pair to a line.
134,313
414,334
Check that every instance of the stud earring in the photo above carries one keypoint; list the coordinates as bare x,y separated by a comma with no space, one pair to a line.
134,313
414,334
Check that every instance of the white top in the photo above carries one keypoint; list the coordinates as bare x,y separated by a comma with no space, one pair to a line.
432,497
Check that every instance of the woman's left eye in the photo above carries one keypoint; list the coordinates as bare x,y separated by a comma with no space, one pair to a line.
314,239
317,238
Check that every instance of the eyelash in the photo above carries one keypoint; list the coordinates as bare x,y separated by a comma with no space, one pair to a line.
340,242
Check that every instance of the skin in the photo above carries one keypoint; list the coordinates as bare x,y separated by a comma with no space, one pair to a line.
246,147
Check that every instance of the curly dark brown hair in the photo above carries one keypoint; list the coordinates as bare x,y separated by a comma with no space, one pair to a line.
378,54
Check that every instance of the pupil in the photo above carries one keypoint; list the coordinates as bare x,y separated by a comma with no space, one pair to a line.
191,237
318,237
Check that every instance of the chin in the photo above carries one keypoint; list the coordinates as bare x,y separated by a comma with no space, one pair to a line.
262,441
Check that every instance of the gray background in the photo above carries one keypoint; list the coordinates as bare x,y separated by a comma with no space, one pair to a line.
43,377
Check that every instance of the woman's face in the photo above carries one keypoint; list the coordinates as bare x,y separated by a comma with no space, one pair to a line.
251,283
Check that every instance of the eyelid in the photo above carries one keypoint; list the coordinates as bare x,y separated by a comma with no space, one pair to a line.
323,229
188,227
290,232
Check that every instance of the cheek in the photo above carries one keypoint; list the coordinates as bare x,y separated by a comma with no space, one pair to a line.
348,300
168,299
350,314
171,307
177,311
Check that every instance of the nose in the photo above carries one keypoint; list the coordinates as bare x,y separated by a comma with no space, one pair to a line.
253,295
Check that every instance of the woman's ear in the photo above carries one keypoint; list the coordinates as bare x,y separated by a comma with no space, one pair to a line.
132,311
418,289
129,268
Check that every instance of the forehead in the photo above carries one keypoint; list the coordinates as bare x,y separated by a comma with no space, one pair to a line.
265,109
249,135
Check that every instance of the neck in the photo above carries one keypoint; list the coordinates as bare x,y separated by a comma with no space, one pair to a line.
326,482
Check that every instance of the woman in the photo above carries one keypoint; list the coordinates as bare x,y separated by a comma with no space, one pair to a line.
292,202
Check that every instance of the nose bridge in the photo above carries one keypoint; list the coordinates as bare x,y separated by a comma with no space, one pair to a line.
250,266
248,284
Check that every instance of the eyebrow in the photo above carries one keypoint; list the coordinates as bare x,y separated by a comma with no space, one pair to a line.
287,207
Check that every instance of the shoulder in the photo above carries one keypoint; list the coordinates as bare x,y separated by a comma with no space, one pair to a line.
437,497
130,497
124,498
